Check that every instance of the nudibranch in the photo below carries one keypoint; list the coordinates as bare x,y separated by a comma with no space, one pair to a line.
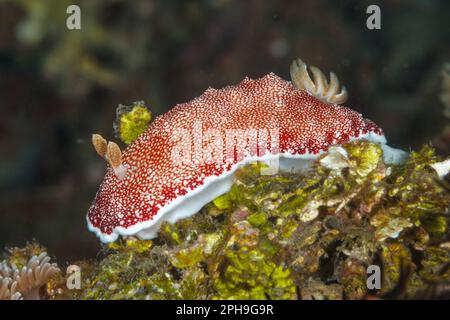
187,156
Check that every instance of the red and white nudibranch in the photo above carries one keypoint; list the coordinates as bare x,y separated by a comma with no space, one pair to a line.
187,156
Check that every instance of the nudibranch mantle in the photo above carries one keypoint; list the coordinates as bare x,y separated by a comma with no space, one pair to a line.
158,186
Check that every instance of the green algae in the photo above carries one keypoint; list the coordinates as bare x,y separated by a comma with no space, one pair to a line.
248,272
131,121
281,236
308,235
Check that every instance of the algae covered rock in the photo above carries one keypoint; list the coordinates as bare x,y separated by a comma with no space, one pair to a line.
308,235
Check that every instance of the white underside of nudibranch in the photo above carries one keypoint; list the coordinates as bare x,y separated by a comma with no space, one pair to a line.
213,187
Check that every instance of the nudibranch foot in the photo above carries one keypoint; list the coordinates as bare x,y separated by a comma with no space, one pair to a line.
393,155
319,88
